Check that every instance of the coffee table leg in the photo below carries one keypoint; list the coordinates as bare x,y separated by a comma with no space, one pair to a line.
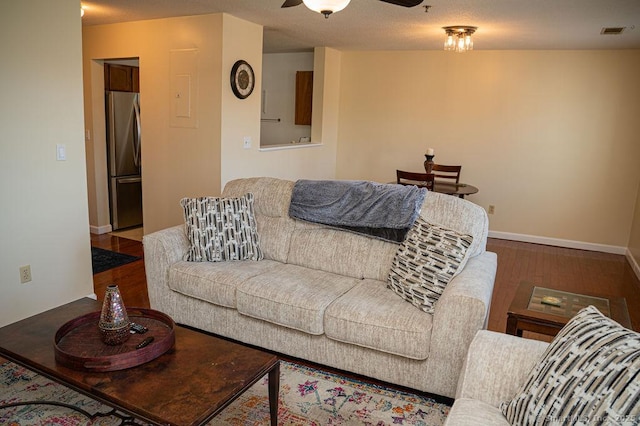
274,393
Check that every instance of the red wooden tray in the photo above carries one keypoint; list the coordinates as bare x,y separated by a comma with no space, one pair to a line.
78,344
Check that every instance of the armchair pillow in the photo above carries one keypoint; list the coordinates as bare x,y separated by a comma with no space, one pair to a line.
589,374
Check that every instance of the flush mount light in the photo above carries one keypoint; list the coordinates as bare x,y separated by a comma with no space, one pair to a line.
326,7
459,38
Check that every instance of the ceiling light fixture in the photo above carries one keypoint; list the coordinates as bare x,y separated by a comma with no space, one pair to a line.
459,38
326,7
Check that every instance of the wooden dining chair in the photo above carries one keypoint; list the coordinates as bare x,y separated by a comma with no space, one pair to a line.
421,180
447,172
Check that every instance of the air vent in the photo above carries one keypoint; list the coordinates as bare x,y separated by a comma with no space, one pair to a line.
612,30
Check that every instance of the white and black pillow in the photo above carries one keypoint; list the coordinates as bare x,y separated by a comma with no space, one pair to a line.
589,374
221,229
426,261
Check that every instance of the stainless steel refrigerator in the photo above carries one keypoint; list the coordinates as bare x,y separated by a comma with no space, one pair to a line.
123,158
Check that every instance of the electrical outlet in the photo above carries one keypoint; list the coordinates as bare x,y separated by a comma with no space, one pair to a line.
25,274
492,209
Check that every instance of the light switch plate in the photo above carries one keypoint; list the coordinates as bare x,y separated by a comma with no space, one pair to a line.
247,142
61,152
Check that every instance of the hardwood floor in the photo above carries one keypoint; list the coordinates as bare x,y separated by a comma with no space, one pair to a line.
576,271
547,266
130,278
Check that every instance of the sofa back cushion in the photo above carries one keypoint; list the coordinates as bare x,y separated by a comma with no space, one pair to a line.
460,215
320,247
271,209
340,252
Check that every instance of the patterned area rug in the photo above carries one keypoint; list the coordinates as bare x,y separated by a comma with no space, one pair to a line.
103,260
308,397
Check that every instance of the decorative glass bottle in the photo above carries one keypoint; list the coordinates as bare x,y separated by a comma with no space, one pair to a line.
114,323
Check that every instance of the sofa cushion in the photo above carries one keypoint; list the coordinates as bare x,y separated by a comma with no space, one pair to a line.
461,215
426,261
271,208
341,252
370,315
473,412
215,282
292,296
221,229
587,375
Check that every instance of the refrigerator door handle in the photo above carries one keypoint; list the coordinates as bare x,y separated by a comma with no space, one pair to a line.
112,134
138,139
129,180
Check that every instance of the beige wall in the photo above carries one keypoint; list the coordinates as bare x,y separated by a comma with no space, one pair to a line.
549,137
44,220
634,240
180,162
309,162
176,161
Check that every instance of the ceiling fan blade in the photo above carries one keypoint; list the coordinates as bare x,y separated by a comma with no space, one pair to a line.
289,3
405,3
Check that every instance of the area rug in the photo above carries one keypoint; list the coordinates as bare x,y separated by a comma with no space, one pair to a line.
103,260
308,397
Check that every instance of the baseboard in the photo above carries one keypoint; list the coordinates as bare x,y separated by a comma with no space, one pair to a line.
580,245
633,263
99,230
92,296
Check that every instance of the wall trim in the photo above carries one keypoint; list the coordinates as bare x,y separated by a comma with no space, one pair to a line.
99,230
581,245
633,263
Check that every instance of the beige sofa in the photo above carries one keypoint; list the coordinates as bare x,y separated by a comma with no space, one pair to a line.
321,294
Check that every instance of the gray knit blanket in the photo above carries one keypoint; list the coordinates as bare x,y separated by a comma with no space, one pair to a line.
384,211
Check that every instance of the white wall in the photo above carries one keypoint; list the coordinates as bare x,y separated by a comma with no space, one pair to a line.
279,96
44,219
549,137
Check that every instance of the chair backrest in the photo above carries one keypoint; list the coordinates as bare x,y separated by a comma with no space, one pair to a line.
422,180
447,172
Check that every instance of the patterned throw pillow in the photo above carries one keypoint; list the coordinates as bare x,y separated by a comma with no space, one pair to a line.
426,261
589,374
221,229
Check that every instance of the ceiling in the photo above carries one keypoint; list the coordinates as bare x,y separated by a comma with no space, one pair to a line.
375,25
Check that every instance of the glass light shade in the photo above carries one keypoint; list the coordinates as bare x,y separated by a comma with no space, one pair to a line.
324,6
450,42
459,38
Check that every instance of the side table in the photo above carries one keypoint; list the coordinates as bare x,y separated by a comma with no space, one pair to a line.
545,310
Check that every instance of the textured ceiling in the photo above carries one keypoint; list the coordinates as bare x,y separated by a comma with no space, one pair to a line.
375,25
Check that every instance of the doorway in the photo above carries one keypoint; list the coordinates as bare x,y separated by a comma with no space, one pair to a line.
123,143
115,196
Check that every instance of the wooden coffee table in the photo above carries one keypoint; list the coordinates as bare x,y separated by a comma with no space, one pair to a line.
529,312
188,385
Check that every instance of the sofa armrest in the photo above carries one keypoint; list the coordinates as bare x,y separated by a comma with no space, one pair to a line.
462,310
161,250
497,365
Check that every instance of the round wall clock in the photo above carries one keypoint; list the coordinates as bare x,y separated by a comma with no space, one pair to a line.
242,79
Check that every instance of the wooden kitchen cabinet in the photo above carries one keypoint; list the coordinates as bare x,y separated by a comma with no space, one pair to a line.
304,97
121,78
